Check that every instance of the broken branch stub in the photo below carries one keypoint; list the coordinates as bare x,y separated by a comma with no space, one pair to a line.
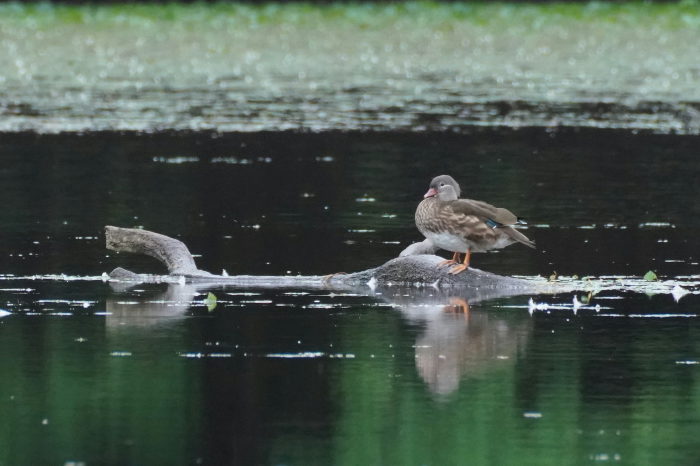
171,252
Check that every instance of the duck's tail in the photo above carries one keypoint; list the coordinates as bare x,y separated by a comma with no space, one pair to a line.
519,237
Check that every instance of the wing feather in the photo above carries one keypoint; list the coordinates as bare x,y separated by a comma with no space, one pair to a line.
519,237
484,210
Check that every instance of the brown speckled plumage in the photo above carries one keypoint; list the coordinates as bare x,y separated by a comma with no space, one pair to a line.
435,217
462,225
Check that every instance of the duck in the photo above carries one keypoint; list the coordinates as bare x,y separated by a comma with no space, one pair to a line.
463,226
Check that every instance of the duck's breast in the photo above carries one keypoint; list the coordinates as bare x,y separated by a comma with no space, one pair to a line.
427,216
448,241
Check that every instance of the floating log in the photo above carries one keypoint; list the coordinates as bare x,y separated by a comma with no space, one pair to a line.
417,267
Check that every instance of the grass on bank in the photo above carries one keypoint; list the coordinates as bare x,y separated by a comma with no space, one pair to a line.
684,14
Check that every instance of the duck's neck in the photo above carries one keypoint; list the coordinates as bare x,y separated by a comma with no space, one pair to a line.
446,197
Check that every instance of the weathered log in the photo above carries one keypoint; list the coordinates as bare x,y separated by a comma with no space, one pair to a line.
408,270
171,252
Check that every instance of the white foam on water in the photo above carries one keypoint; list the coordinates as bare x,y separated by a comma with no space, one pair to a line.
303,355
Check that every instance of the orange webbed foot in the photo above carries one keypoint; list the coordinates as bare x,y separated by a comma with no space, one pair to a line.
447,262
454,260
458,269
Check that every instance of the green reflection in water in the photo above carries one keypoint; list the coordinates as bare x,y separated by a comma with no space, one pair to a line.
388,408
424,382
69,400
567,391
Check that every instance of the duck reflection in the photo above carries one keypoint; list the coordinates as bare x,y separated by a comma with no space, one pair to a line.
459,342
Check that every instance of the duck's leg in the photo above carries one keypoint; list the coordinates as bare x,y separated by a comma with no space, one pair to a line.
454,260
464,265
458,305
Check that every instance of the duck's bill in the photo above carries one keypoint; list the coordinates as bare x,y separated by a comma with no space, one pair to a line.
431,192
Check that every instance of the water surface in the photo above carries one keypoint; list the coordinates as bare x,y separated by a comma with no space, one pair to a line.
417,66
96,373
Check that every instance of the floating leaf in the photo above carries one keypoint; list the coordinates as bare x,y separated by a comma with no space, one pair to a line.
587,298
210,301
650,276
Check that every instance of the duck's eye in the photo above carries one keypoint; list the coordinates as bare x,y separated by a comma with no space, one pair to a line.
442,184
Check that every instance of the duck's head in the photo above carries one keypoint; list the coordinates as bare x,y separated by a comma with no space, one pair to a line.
444,187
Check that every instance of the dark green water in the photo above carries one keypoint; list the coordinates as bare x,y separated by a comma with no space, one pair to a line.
101,375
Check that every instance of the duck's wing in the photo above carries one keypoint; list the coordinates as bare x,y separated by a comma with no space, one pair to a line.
496,218
492,216
517,236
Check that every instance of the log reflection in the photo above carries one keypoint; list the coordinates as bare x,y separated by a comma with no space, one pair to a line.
127,309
